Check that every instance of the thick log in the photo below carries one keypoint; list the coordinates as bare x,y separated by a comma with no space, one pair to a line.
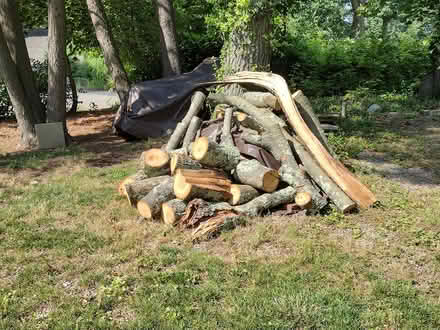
150,206
215,155
138,189
183,161
262,100
337,196
305,109
303,200
226,137
274,141
191,133
242,194
155,162
249,122
172,211
140,175
196,105
186,191
252,173
334,168
267,201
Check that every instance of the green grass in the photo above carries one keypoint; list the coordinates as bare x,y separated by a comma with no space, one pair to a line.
76,256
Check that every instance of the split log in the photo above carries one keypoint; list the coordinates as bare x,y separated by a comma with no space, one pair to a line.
262,100
151,204
172,211
338,197
303,200
183,161
191,133
155,162
204,173
226,137
137,190
199,210
252,173
186,191
267,201
334,168
216,155
140,175
242,194
308,115
217,181
196,104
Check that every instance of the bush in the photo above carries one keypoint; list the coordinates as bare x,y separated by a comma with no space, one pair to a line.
40,71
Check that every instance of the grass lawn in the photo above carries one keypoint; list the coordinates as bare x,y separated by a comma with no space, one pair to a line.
74,255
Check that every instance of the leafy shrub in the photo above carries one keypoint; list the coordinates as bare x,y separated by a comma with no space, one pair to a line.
40,71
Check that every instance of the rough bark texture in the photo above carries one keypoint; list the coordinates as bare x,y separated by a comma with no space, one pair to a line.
335,169
358,24
191,133
262,100
138,176
168,38
110,51
56,94
186,191
172,211
13,33
196,105
216,155
182,161
226,130
267,201
242,194
74,107
252,173
137,190
338,197
151,204
248,48
310,118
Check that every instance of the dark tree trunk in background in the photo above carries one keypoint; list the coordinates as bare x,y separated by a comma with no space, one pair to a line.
56,93
21,103
72,84
168,38
248,48
111,53
14,37
358,24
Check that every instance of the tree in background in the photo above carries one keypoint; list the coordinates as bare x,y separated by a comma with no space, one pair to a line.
110,51
56,97
168,38
17,74
358,23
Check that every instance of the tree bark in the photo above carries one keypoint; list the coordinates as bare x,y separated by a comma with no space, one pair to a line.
13,33
111,54
358,24
252,173
172,211
22,106
242,194
137,190
56,94
183,161
187,191
151,204
262,100
155,162
168,38
74,107
191,133
211,154
248,48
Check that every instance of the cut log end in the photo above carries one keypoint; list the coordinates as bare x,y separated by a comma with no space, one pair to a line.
200,148
155,158
270,181
303,200
144,209
181,188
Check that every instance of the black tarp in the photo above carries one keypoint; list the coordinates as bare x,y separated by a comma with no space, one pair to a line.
156,106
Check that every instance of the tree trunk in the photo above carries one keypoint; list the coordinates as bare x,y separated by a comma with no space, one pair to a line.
56,95
168,38
248,49
111,54
74,107
13,34
22,106
358,24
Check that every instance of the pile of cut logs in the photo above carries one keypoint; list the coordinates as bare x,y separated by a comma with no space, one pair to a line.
254,154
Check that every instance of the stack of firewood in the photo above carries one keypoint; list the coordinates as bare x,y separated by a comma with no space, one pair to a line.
204,179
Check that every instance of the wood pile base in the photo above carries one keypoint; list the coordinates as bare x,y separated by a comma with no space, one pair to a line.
207,183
